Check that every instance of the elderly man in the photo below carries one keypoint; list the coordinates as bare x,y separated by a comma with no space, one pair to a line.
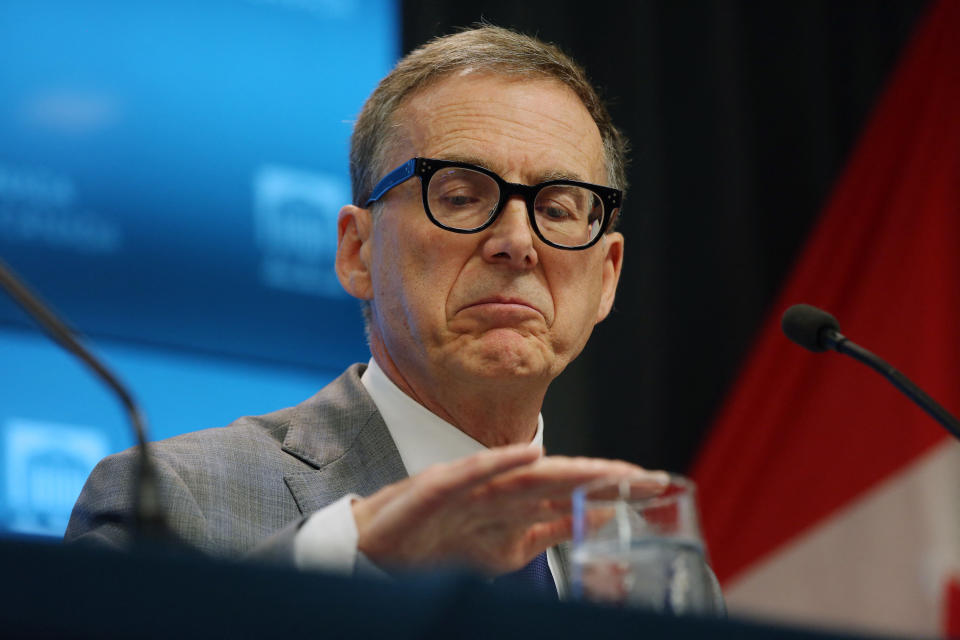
487,178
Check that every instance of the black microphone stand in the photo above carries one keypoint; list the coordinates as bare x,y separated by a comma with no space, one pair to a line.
149,522
841,344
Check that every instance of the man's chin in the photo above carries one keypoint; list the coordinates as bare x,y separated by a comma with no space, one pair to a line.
505,354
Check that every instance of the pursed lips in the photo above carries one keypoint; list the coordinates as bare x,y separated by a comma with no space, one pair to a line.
506,304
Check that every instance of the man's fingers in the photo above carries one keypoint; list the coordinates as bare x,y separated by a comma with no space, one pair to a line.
540,493
544,535
556,477
444,481
491,509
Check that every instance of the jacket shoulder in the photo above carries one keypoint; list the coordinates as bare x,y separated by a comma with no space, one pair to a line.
222,489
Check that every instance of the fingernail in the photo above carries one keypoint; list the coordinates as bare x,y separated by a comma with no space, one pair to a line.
660,477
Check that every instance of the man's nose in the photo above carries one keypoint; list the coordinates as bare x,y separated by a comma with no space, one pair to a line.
510,239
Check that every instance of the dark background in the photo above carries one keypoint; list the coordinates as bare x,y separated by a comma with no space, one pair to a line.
741,116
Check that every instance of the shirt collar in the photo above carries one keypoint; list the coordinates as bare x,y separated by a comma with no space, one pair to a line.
422,437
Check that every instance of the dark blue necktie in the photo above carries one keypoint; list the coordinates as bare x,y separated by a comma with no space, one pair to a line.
534,577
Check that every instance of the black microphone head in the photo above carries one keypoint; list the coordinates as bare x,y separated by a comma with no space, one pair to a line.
804,325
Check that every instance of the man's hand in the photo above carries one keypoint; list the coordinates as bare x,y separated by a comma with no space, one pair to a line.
492,511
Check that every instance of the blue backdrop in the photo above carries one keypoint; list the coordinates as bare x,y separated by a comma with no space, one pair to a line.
170,176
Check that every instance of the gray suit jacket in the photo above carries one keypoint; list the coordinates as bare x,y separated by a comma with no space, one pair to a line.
246,488
228,490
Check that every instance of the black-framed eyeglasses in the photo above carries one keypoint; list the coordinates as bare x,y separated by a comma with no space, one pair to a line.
465,198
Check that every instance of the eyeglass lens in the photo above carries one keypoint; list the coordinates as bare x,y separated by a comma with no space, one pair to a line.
465,199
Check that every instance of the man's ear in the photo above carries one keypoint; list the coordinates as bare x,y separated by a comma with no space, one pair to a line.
354,236
612,262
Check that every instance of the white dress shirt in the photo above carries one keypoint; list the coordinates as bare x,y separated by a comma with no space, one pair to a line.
328,539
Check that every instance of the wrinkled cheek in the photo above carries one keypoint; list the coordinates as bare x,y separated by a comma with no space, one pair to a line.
419,300
570,342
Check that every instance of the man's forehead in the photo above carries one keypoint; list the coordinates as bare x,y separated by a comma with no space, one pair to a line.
504,123
543,175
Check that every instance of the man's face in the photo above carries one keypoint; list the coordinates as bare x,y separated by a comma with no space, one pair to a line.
499,304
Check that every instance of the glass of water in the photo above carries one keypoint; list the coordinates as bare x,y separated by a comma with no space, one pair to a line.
635,545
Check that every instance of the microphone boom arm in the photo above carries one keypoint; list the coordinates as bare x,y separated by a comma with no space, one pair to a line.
148,515
839,343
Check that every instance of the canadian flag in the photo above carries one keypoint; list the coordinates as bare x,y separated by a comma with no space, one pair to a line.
827,496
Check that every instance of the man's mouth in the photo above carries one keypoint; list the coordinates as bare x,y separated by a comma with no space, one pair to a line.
504,309
502,300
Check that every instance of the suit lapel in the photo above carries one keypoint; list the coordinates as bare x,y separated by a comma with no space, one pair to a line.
340,434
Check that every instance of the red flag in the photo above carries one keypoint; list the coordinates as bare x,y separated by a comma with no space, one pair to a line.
803,437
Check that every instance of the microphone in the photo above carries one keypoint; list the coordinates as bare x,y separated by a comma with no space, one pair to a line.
148,519
818,331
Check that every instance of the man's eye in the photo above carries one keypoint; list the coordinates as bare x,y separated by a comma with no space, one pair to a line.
556,213
459,199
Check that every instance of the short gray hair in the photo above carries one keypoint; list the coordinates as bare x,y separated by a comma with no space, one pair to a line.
482,48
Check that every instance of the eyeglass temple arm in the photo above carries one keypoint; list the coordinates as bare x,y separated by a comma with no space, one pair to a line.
400,174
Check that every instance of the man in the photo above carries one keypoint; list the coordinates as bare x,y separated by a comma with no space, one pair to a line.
479,290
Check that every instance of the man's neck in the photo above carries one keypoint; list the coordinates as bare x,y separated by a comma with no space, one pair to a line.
494,414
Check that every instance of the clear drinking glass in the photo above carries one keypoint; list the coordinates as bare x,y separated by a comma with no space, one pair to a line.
631,548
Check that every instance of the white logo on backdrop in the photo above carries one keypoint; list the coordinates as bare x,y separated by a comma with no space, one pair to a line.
295,221
46,465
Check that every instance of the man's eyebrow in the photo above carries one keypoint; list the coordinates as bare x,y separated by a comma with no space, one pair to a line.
468,160
560,175
542,177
